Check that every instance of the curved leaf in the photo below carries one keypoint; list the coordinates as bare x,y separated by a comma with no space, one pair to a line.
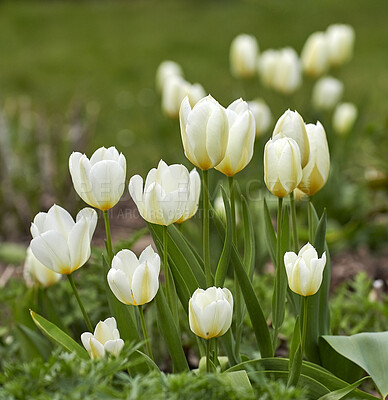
340,393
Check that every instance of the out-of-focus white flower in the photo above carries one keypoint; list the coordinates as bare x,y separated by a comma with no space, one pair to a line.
315,55
165,197
210,312
204,131
35,273
135,281
288,71
266,66
106,339
305,270
165,71
316,171
241,139
340,39
58,242
327,92
193,201
99,181
344,117
243,56
262,115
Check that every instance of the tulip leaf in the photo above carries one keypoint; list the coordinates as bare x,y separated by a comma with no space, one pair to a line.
315,379
340,393
223,264
58,336
249,239
150,362
295,362
369,351
32,344
270,233
170,332
240,379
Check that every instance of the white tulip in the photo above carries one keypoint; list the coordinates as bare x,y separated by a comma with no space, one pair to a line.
288,71
165,71
282,166
291,124
204,131
341,42
210,312
166,193
243,56
58,242
344,117
266,65
315,55
239,150
305,270
316,171
262,114
35,273
327,92
193,199
133,280
99,181
106,339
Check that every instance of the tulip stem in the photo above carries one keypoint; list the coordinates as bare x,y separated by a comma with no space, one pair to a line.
208,355
304,328
205,227
167,276
294,224
145,334
108,237
86,318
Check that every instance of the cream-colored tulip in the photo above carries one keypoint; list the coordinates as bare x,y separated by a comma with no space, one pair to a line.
99,181
327,92
315,55
193,200
58,242
165,71
165,197
291,124
241,138
266,66
262,114
305,270
316,171
243,56
204,131
35,273
106,339
287,76
282,166
340,39
344,117
210,312
135,281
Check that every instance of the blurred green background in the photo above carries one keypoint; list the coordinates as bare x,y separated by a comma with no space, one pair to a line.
79,75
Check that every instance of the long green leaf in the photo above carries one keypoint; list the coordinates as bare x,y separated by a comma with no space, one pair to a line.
340,393
32,344
270,233
249,239
223,264
58,336
295,362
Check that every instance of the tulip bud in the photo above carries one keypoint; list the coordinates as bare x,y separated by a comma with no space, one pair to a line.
106,339
340,42
344,117
315,55
291,124
166,194
210,312
135,281
99,181
266,66
316,171
204,131
193,199
305,270
288,71
327,92
262,114
165,71
35,273
282,166
58,242
239,150
243,56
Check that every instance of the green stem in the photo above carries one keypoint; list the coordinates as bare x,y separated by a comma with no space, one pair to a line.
232,197
108,237
86,318
304,328
294,224
208,355
168,277
205,227
145,334
310,222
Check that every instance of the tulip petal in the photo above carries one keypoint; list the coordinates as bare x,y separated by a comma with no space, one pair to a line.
96,349
145,284
59,219
112,324
120,286
114,346
91,217
79,166
79,244
37,227
103,333
151,257
217,132
127,262
85,339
